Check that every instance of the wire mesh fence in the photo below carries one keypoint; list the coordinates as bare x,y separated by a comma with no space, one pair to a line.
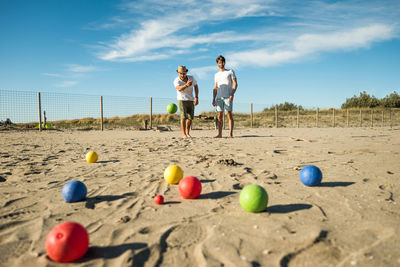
59,110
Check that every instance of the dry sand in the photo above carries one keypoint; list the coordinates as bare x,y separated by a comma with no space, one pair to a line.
352,219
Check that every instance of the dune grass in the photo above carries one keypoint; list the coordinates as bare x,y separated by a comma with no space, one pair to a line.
267,118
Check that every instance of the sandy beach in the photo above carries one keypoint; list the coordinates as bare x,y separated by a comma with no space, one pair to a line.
351,219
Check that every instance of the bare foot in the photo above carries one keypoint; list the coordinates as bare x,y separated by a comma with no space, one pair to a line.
218,136
185,136
231,136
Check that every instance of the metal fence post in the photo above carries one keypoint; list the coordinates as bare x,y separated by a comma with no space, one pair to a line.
251,115
276,117
334,117
372,117
101,113
40,112
151,112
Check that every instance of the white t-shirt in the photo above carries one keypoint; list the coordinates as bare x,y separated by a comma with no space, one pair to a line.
224,82
187,93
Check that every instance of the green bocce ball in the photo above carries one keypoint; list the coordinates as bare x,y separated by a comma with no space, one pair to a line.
172,108
253,198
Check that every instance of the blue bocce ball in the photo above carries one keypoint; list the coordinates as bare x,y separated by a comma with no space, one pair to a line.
74,191
311,175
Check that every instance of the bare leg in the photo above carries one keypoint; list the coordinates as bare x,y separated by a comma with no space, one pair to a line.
230,118
220,117
188,125
183,124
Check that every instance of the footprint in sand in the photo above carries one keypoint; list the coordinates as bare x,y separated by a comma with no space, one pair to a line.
179,237
16,217
13,250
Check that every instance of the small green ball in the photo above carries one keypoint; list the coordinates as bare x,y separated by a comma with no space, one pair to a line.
172,108
253,198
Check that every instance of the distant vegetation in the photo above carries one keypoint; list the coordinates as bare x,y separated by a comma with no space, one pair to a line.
367,101
287,117
284,107
362,101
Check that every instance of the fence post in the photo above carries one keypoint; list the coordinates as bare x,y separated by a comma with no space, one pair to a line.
298,113
383,118
360,117
334,117
151,112
347,117
276,117
40,112
101,113
251,114
44,119
390,117
372,117
317,117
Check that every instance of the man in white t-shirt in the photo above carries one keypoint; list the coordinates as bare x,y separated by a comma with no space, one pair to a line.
224,90
184,85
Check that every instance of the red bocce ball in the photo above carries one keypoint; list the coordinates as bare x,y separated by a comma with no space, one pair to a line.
159,199
67,242
189,187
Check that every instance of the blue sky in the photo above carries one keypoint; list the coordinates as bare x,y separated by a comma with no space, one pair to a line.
311,53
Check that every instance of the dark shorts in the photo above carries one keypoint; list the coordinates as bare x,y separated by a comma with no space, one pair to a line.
186,109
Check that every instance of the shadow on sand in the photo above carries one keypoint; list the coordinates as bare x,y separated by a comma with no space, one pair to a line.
216,195
287,208
207,180
92,201
253,135
335,184
140,252
108,161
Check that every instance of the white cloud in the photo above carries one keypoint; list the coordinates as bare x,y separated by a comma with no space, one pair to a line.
80,68
72,74
307,44
66,84
203,72
350,39
167,29
56,75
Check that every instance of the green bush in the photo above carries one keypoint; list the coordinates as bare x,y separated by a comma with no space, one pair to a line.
284,107
367,101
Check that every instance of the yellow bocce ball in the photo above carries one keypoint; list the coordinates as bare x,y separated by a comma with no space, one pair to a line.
91,157
173,174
